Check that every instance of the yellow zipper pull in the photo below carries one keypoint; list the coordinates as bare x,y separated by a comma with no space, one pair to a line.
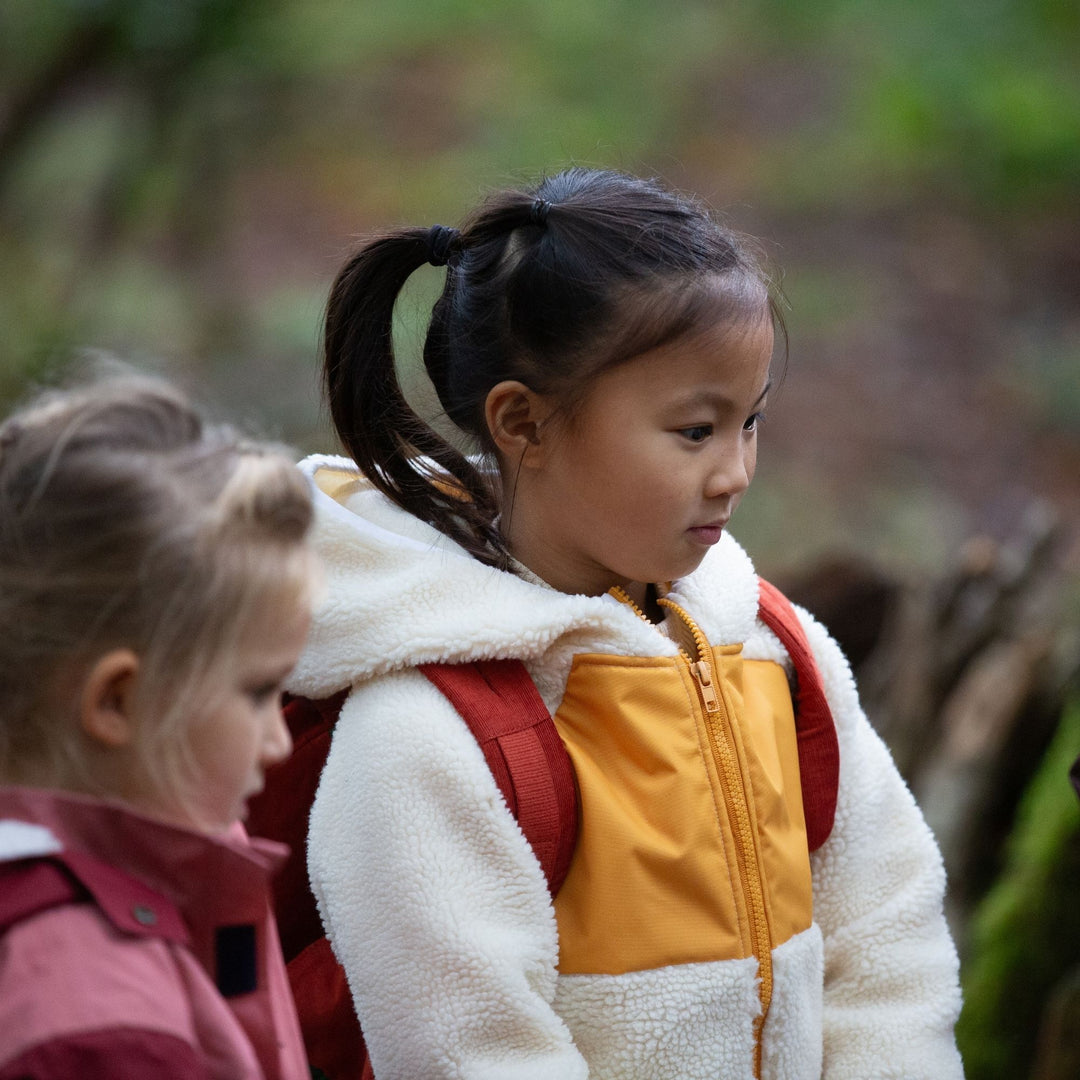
703,673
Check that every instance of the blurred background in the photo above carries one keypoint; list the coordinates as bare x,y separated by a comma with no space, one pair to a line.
180,180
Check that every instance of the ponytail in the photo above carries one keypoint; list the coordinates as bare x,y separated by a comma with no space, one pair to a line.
395,449
547,287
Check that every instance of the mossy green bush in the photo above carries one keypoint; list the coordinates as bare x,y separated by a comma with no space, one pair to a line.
1025,935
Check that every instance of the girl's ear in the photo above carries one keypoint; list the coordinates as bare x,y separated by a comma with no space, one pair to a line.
106,704
514,414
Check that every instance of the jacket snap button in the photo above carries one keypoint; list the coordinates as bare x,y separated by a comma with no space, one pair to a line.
144,915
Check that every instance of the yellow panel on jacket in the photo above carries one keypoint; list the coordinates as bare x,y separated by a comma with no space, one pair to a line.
692,816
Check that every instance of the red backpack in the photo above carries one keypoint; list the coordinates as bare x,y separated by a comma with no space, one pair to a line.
505,712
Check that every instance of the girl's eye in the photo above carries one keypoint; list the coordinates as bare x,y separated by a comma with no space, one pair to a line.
263,695
697,433
754,421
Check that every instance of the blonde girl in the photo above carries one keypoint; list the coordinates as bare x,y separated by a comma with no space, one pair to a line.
155,583
607,348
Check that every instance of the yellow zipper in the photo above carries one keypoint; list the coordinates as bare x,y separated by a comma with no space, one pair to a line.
722,742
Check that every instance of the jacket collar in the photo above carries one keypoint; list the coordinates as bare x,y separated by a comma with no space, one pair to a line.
398,594
210,881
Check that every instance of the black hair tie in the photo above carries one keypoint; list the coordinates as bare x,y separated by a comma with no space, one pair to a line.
538,212
440,240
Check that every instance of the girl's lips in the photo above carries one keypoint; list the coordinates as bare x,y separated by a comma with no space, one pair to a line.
707,534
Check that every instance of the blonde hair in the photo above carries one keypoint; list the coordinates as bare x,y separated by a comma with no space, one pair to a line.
129,520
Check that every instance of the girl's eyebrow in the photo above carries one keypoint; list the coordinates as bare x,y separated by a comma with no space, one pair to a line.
276,675
694,397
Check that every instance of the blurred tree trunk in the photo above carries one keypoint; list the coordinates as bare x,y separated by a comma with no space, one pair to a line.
964,676
968,678
1058,1052
83,50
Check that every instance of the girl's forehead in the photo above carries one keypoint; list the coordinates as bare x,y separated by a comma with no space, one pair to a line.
674,380
723,361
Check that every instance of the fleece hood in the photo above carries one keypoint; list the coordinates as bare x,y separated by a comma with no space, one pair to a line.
399,593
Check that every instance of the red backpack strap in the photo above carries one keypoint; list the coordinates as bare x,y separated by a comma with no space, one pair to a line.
504,711
819,752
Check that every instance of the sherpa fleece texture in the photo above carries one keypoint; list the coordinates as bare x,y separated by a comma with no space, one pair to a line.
440,913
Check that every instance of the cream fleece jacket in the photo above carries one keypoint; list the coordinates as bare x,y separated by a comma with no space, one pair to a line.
440,914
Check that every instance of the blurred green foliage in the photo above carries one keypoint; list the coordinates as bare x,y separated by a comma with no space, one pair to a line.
1025,936
130,129
982,99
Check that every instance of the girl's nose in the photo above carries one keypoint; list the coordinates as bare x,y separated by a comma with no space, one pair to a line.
731,472
277,743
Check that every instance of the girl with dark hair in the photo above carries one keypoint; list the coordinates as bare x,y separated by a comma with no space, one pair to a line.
606,347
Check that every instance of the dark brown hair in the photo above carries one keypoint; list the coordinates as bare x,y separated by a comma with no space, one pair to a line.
548,286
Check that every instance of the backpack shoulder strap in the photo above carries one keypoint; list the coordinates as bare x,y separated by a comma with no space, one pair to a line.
504,711
819,752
